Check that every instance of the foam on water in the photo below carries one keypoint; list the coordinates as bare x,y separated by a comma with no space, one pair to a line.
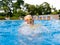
26,29
35,36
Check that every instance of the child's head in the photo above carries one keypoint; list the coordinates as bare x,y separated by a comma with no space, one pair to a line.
28,19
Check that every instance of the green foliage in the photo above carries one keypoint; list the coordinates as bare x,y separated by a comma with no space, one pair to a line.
54,13
2,17
45,8
15,6
18,3
2,14
5,8
58,11
39,9
17,10
31,9
20,13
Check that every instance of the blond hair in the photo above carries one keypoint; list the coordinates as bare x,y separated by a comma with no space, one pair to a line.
27,17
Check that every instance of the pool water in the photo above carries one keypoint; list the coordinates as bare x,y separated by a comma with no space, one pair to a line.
9,33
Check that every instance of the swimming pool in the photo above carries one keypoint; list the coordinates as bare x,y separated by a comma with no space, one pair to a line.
9,33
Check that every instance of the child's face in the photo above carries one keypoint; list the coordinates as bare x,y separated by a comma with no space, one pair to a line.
29,20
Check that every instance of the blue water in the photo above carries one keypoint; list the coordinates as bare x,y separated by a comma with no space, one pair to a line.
9,33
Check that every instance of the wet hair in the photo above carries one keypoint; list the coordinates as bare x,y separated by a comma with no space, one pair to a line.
27,16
